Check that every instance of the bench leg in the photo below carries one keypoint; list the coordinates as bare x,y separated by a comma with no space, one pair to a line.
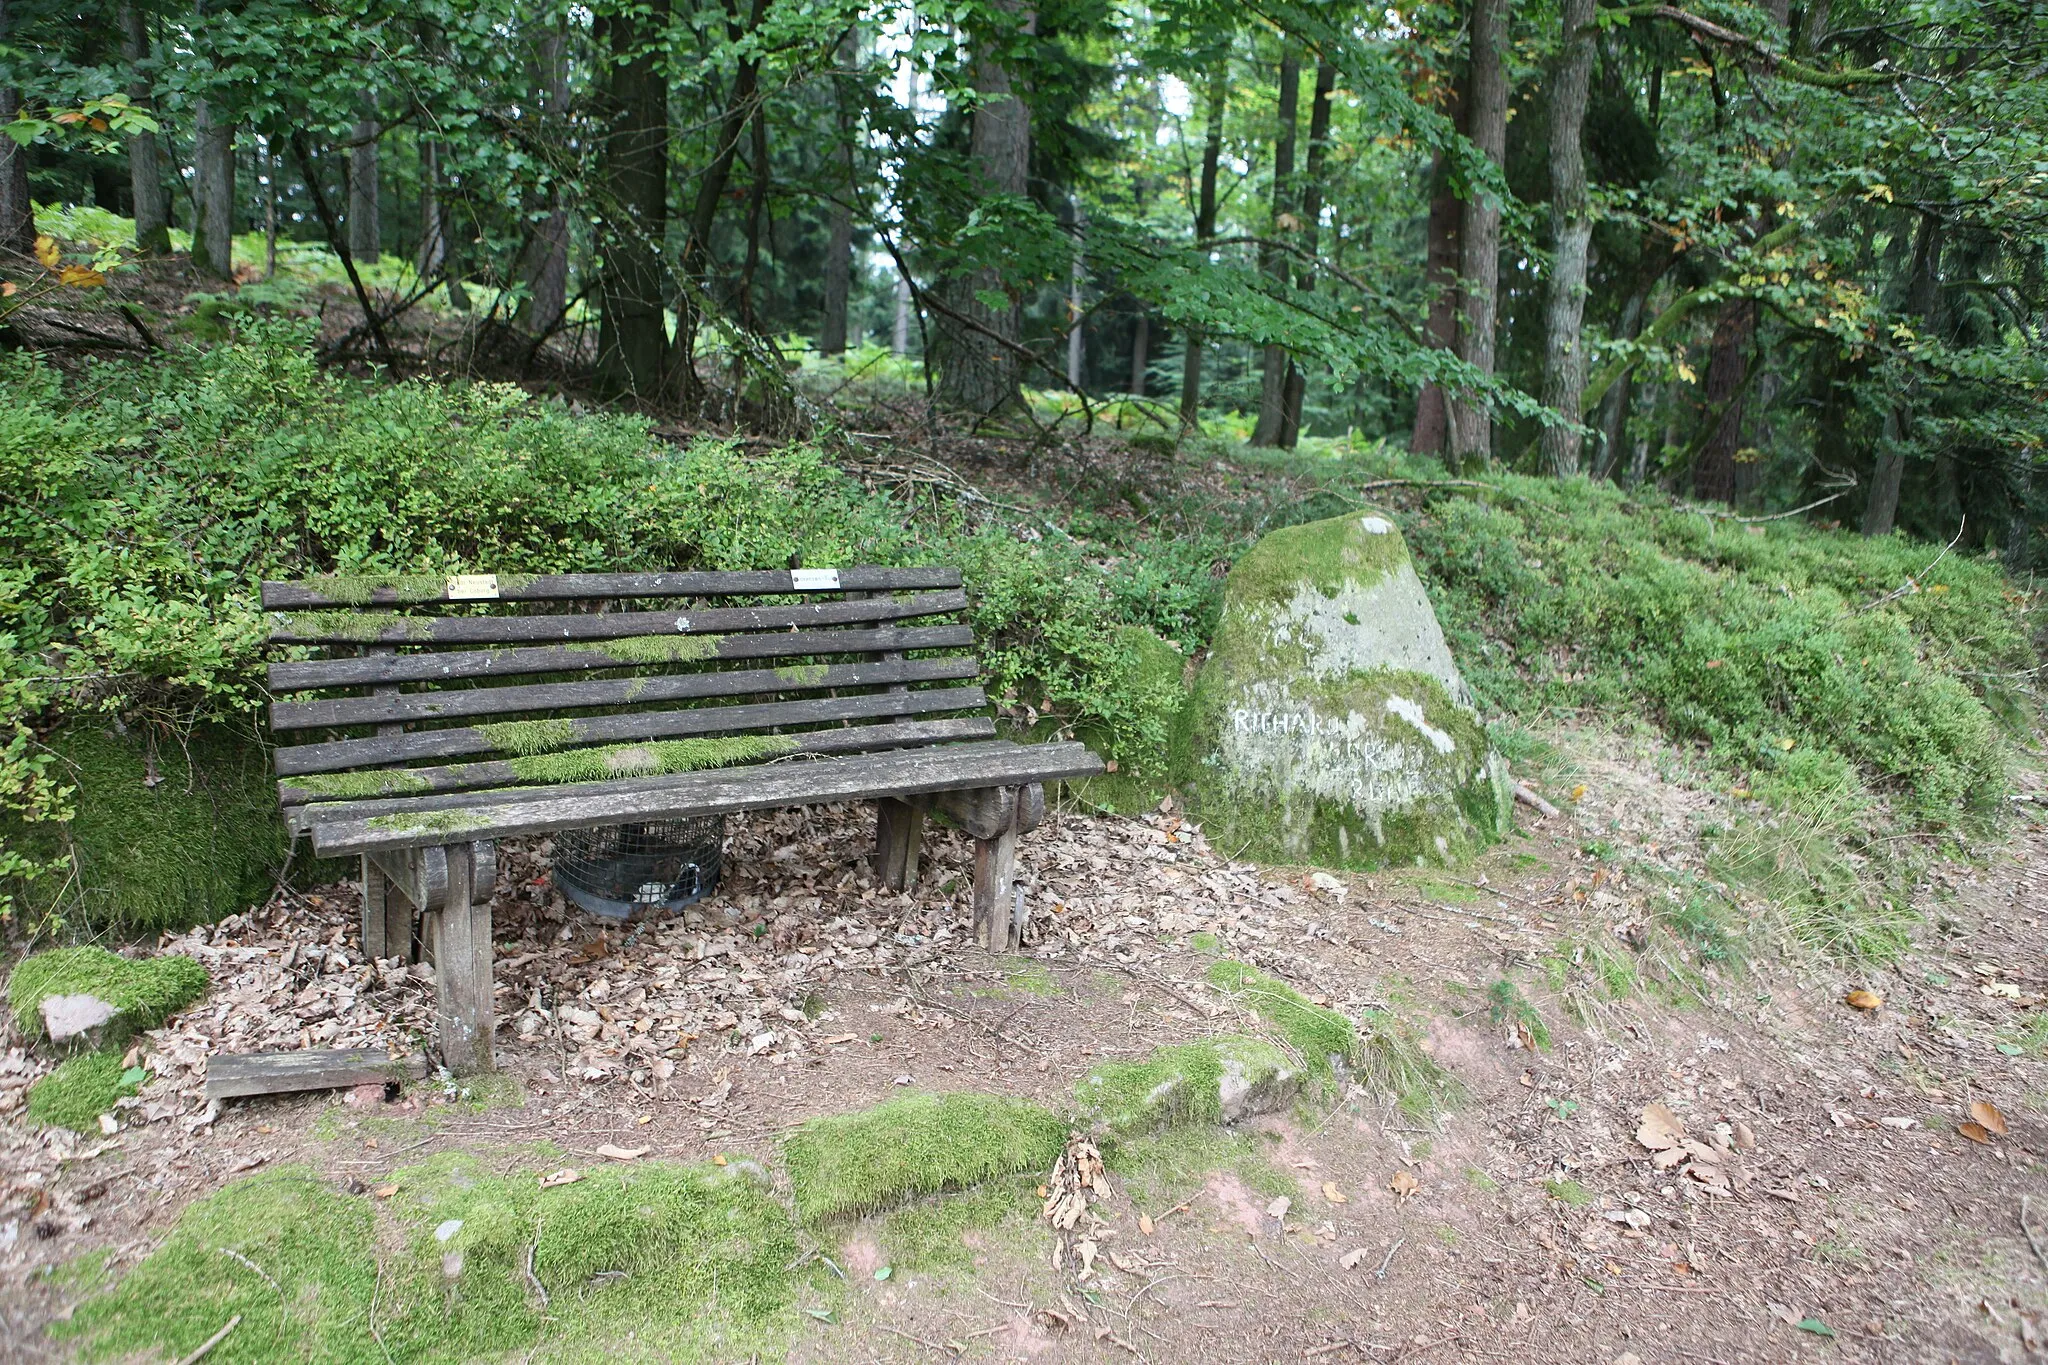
387,916
899,837
995,877
464,1014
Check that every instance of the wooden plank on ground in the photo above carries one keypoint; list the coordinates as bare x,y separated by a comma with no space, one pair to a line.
505,773
575,696
340,627
721,791
386,750
306,674
232,1075
315,593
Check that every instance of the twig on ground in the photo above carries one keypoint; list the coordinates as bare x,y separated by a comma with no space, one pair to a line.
1388,1260
236,1255
216,1339
940,1347
1530,798
533,1280
2030,1234
1007,1303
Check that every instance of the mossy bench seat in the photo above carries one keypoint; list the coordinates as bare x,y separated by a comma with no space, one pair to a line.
455,711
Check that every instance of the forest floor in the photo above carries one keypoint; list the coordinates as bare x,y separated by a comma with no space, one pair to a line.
1835,1203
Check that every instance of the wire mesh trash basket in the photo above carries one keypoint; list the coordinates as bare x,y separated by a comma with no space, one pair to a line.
620,870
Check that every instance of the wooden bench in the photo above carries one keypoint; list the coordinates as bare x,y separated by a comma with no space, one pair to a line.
458,711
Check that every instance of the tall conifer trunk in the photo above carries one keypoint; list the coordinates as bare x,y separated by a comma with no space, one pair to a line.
365,194
145,165
1471,425
1205,228
1311,235
632,345
1564,351
839,230
1273,367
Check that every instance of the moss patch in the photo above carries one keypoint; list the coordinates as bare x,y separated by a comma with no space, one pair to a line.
166,833
356,590
429,822
1160,1167
649,758
529,737
146,992
921,1144
81,1089
658,1261
652,649
937,1233
359,627
1322,1036
802,675
1173,1085
361,785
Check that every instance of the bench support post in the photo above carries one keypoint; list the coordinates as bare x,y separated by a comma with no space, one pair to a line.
899,838
387,915
464,1010
997,924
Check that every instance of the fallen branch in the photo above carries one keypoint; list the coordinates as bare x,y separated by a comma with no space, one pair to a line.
216,1339
2030,1234
1531,799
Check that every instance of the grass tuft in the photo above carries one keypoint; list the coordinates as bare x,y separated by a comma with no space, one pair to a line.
652,649
1322,1036
146,992
920,1144
359,786
529,737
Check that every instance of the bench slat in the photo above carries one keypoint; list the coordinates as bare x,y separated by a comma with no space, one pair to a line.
719,791
384,751
302,593
376,669
836,740
570,696
361,627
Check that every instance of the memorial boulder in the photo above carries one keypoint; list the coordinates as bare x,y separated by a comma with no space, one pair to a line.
1330,724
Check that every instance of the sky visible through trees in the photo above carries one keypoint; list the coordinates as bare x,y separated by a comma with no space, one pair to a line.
1775,256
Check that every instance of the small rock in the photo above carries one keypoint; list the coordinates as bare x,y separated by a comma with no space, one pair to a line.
81,1018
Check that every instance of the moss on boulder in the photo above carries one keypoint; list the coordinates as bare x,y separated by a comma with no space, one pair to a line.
167,832
920,1144
1330,724
1221,1081
142,993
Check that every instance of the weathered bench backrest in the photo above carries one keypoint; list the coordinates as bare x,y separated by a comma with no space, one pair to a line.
526,680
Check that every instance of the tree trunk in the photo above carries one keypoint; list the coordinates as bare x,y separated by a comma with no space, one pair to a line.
365,195
1440,329
1273,358
1713,472
267,160
547,261
1205,228
977,372
145,167
433,247
1479,231
839,246
213,192
1311,235
899,329
632,339
1141,343
1564,352
1923,301
1614,408
17,212
1077,341
757,204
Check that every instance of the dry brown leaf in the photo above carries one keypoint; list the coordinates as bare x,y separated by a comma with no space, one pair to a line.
561,1177
1863,1000
1332,1193
385,1191
1144,1222
1975,1132
1350,1259
1987,1114
1660,1129
1403,1184
623,1153
718,1159
1745,1138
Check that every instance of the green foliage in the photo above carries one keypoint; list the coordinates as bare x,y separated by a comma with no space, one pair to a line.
1322,1036
1171,1085
1505,1004
82,1088
1763,646
920,1144
937,1233
146,991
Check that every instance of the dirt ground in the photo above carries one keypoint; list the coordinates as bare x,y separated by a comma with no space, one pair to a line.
1832,1203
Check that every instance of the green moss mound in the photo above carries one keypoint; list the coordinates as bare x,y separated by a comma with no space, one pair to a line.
146,991
654,1262
530,737
937,1233
921,1144
165,833
1172,1085
361,786
81,1089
